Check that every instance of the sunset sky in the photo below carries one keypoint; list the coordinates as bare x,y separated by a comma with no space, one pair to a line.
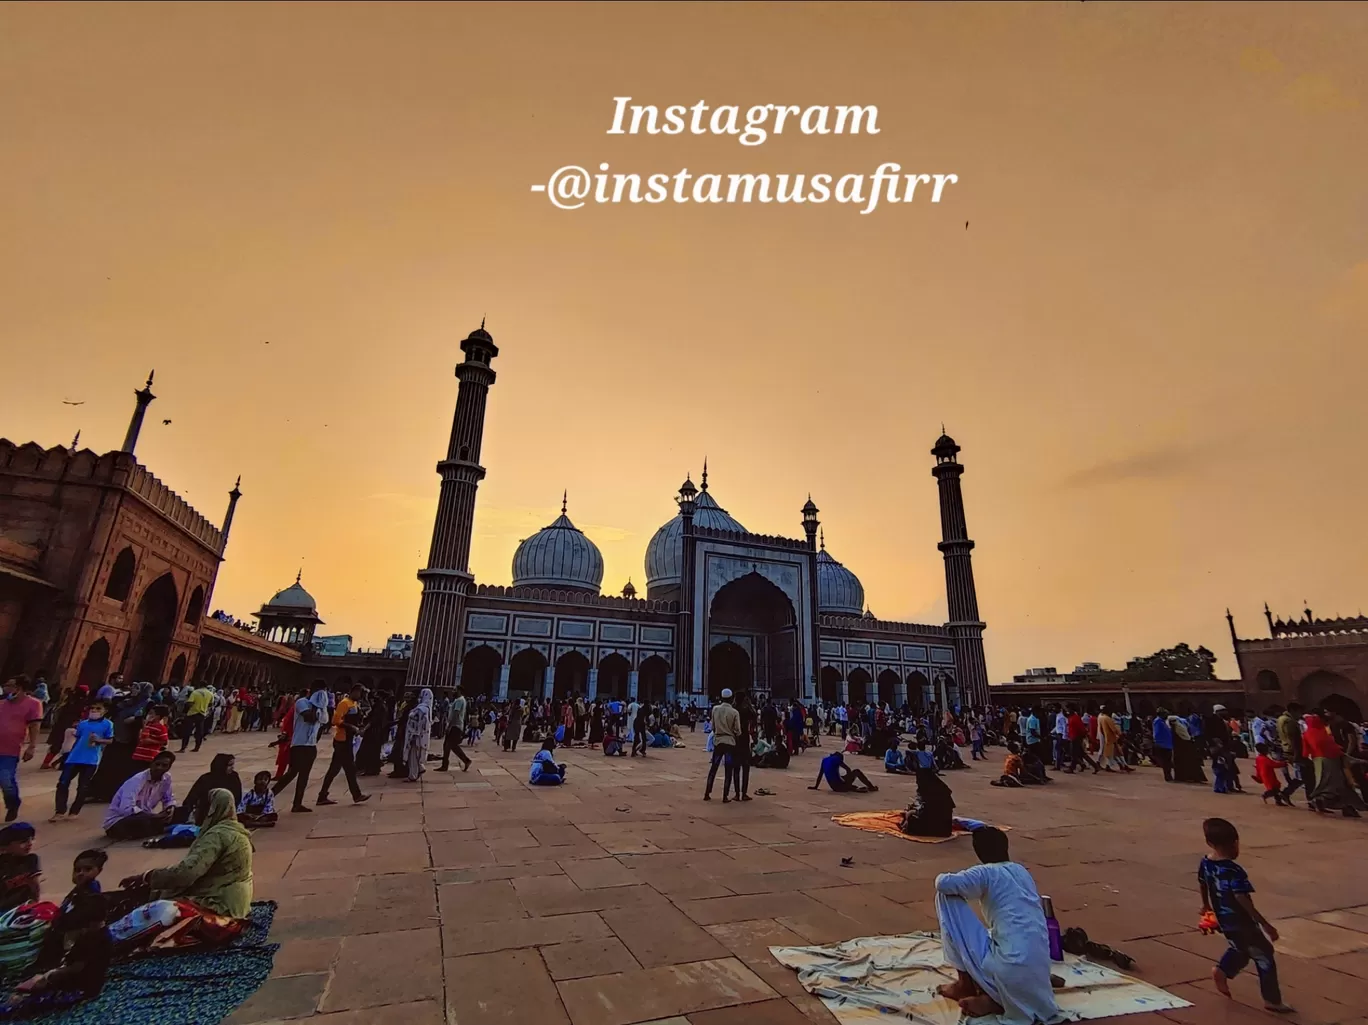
1142,310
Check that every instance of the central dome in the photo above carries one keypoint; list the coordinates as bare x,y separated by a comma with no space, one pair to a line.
839,591
559,556
665,553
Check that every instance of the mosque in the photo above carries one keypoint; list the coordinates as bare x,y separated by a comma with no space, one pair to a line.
723,608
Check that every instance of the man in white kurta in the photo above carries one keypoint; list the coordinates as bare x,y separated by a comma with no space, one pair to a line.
1008,963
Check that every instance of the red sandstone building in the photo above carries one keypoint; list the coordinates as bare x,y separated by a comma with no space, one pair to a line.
1312,661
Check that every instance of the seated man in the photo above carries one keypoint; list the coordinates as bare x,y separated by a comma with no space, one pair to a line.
840,777
545,771
921,758
893,759
1033,769
144,805
1004,969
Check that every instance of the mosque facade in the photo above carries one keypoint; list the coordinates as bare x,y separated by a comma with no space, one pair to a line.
723,607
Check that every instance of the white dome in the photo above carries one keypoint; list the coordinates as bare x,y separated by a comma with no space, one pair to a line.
839,591
558,556
294,597
665,552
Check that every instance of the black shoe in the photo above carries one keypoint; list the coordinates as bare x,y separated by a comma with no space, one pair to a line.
11,814
324,801
362,799
301,807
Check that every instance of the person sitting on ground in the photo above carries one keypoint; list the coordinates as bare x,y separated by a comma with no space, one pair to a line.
612,743
1004,969
921,758
1011,768
222,775
20,872
1033,769
932,811
145,803
893,758
545,771
214,879
947,755
840,777
256,810
72,967
770,754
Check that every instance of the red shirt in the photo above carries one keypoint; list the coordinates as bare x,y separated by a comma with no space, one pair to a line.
15,716
151,741
1266,771
1075,727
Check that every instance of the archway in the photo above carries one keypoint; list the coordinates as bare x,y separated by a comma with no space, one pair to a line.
755,615
952,694
121,576
888,688
1330,690
729,668
651,679
919,693
177,670
1267,680
572,675
831,684
95,666
527,672
613,671
156,620
194,609
858,683
480,671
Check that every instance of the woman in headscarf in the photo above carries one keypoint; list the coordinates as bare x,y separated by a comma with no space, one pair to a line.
368,761
222,775
398,756
1187,756
932,811
1332,791
213,879
418,736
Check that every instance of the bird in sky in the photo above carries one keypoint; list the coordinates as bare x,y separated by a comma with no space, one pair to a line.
165,422
68,402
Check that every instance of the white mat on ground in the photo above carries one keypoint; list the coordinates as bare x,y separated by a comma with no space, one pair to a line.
876,978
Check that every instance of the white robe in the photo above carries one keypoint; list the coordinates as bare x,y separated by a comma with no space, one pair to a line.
1010,960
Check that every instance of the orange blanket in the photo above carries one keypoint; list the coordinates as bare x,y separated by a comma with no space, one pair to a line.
890,822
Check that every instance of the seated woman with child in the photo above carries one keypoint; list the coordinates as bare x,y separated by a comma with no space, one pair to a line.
545,771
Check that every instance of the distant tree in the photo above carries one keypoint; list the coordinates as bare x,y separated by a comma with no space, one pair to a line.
1180,662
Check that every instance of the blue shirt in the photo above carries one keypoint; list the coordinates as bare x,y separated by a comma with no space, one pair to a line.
86,751
1032,730
1221,880
831,769
893,759
1163,735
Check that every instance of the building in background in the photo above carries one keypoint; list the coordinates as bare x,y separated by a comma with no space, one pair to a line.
724,607
1308,660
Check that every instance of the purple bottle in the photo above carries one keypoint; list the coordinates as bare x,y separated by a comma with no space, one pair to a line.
1052,927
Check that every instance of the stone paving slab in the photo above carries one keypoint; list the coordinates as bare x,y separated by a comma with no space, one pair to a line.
623,899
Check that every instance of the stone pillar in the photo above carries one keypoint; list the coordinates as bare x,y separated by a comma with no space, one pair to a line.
459,667
502,692
670,687
845,692
632,683
591,686
549,682
940,692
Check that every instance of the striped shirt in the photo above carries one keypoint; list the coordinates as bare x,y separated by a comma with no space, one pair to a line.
151,741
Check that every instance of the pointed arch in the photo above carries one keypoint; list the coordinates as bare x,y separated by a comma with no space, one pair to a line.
194,608
120,583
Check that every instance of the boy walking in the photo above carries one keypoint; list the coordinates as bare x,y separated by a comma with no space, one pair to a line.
1226,892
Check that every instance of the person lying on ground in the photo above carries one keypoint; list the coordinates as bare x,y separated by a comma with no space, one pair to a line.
840,777
1004,969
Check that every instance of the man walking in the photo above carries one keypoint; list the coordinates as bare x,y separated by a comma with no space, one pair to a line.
196,716
726,728
308,717
455,731
346,723
20,716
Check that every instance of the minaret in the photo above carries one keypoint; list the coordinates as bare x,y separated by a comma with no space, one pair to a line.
447,579
144,397
960,598
233,497
684,632
810,527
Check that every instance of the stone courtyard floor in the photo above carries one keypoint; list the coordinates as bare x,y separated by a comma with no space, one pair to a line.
473,899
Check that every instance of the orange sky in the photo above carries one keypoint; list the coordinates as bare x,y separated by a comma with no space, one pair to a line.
1150,340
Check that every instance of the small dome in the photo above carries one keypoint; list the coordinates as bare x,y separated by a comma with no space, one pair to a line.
629,591
665,551
839,591
294,597
945,447
558,556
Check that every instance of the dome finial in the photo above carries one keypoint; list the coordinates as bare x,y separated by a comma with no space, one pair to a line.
299,574
565,500
482,320
76,441
704,484
822,539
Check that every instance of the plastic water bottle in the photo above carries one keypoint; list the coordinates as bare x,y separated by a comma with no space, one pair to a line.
1052,927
